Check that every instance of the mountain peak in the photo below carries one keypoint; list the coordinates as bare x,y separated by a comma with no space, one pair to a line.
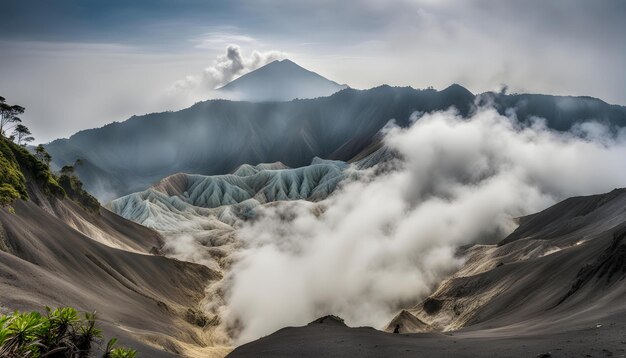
285,61
284,64
459,92
279,80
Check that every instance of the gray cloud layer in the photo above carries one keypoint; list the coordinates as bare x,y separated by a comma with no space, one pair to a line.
110,60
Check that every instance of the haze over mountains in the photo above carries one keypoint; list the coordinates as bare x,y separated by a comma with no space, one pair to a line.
311,179
396,215
217,136
392,207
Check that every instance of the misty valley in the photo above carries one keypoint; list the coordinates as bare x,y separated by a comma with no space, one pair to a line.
275,212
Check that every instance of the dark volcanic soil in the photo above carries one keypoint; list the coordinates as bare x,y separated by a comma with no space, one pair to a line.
331,340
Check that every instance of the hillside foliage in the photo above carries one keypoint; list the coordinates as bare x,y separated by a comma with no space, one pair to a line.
74,189
18,166
62,332
12,181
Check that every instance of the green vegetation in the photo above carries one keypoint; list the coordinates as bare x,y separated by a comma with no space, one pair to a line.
22,134
38,169
42,155
62,332
74,188
15,161
18,165
12,181
8,116
110,352
8,194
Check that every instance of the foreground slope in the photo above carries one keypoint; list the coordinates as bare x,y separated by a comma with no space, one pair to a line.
328,339
54,252
557,284
142,299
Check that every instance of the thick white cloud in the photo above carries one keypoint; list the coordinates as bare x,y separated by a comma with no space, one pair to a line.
384,240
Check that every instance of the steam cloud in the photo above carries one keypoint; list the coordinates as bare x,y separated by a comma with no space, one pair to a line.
383,241
225,68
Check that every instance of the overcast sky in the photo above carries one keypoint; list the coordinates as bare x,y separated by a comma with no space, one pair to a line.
77,64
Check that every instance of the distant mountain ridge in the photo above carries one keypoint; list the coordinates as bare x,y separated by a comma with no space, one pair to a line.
280,80
217,136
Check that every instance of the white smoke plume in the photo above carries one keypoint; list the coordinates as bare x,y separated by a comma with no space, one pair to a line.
383,241
225,68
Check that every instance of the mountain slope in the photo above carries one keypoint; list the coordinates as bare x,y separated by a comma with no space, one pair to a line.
279,81
549,288
181,199
248,187
54,252
204,212
527,276
215,137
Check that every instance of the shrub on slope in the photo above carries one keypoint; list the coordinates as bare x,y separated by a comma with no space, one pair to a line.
17,166
12,181
74,189
59,333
